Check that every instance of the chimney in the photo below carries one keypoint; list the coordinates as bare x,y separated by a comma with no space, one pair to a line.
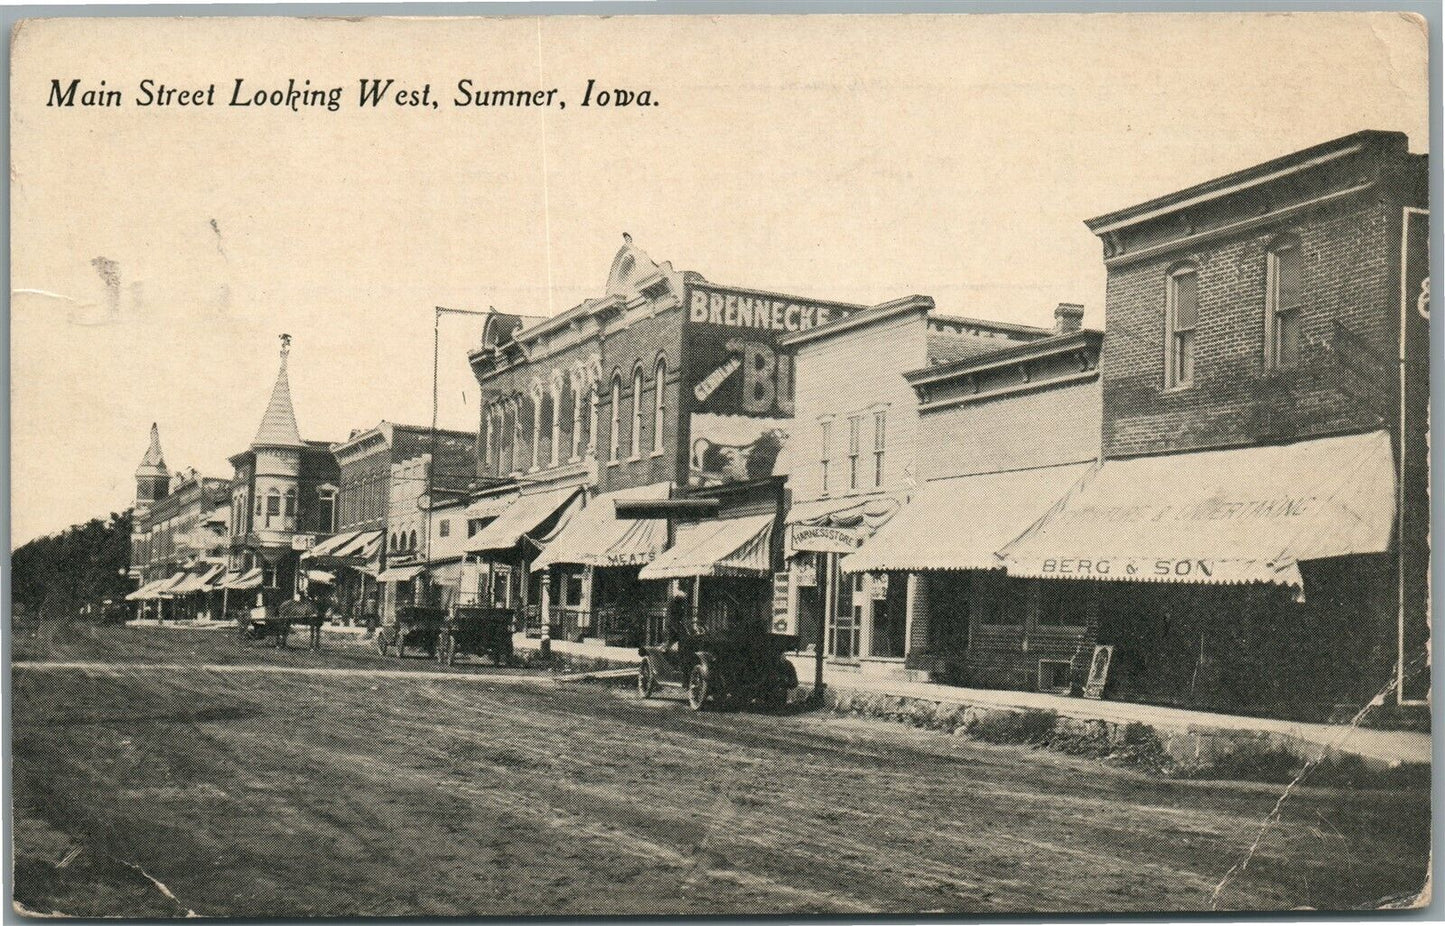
1068,317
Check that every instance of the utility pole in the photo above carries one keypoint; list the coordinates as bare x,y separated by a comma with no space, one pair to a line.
435,371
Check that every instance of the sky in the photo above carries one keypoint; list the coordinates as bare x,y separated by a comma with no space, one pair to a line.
158,252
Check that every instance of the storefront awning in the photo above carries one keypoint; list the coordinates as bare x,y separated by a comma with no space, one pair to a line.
320,577
732,547
490,507
596,536
147,591
1221,517
837,525
960,523
349,548
167,587
521,519
244,581
400,574
202,580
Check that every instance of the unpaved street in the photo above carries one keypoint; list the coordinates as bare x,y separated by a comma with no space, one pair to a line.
258,793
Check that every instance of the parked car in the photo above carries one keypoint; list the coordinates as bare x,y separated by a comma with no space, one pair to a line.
728,669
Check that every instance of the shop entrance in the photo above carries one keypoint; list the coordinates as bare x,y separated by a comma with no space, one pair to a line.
846,619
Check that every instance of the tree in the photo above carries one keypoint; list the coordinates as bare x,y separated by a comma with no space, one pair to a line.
57,575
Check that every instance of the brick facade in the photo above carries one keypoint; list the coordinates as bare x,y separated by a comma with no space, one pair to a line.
1346,218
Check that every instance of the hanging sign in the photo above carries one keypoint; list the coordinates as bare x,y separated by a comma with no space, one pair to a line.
821,538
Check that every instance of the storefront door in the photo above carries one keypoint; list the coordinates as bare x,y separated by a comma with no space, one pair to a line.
846,615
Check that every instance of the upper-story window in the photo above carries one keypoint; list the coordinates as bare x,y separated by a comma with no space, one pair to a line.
613,437
825,438
290,503
326,511
1182,315
444,529
1284,280
637,412
657,404
273,506
880,443
855,428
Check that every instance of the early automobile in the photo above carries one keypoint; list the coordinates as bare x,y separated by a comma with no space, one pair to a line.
722,669
416,627
476,630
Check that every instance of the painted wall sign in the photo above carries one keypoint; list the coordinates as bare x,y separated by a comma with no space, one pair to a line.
733,448
744,309
824,538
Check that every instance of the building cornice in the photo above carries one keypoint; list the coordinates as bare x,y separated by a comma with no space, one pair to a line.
1086,339
862,317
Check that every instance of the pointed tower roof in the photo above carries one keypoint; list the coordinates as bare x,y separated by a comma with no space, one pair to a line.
278,425
154,462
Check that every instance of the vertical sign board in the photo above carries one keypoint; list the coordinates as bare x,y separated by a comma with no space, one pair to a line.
1414,461
740,382
783,618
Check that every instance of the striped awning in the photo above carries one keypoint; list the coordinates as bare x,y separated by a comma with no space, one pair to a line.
730,547
349,548
521,520
244,581
200,580
596,536
1249,514
147,591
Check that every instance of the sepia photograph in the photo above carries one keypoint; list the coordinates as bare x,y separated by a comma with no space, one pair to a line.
924,465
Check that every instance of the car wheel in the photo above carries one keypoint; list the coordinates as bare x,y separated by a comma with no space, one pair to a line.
646,684
697,688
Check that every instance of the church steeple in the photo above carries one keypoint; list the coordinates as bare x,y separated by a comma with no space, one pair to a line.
278,425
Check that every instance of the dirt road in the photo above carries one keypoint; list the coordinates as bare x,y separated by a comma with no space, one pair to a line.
323,793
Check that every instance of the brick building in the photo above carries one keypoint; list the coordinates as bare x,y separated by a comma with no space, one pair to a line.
664,385
178,537
382,477
1255,536
853,459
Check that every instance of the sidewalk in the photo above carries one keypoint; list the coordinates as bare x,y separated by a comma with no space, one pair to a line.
1186,734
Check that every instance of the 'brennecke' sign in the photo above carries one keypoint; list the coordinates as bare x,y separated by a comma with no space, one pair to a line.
741,310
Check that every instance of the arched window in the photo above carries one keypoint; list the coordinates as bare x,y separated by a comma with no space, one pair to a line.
1284,281
592,402
559,386
291,504
273,505
515,463
1181,318
411,541
392,543
575,388
534,419
614,438
637,412
545,414
658,381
